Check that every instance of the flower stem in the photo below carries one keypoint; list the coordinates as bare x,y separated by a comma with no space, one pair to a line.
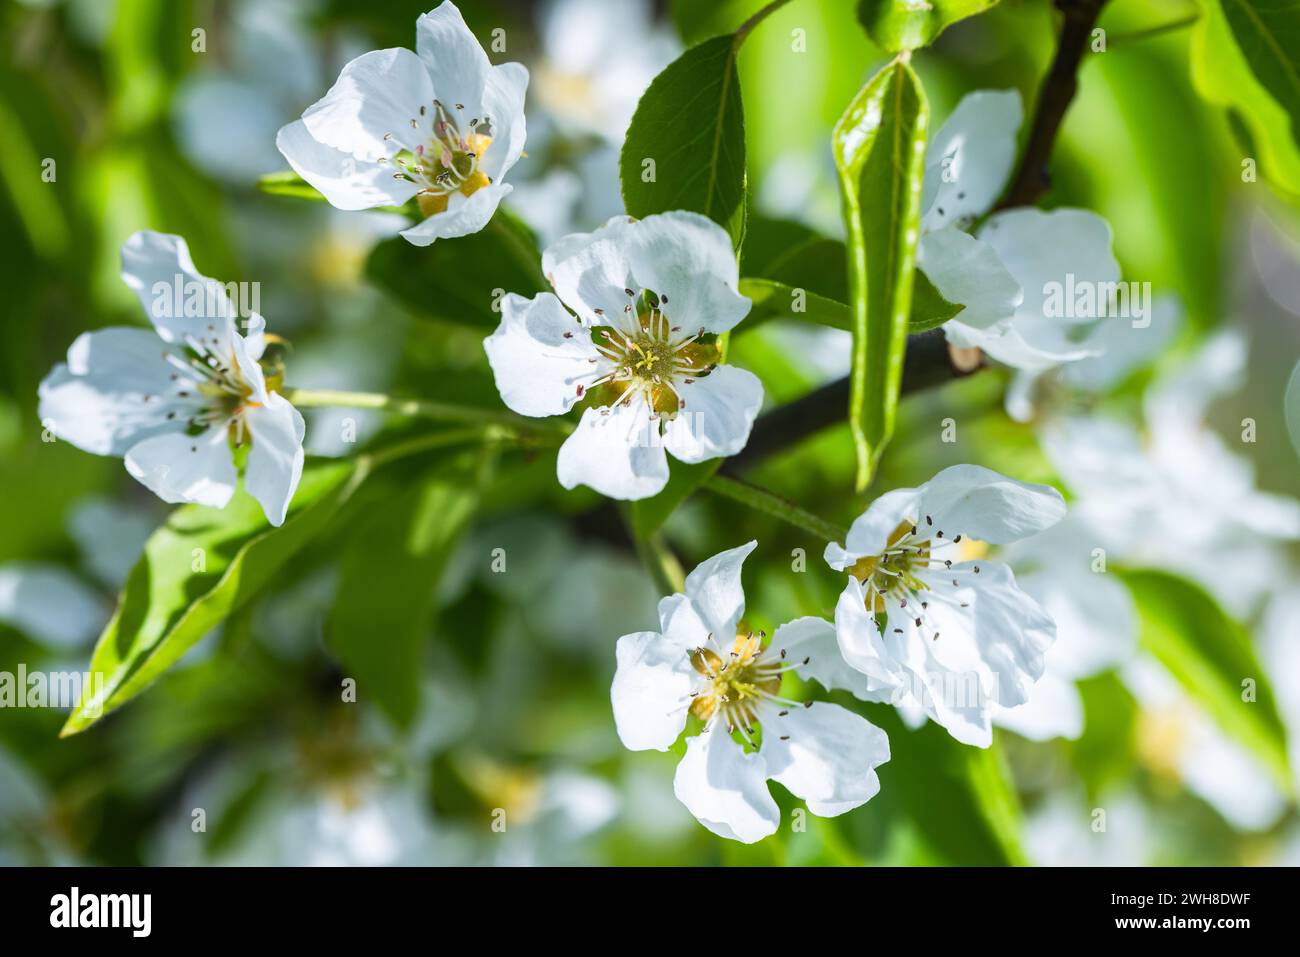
425,409
762,500
757,18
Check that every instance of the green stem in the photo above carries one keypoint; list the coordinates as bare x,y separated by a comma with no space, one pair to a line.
425,409
756,19
433,440
662,564
762,500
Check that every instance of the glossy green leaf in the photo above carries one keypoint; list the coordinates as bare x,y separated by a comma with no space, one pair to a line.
776,300
384,605
1223,74
879,147
685,148
896,25
197,569
461,280
1211,656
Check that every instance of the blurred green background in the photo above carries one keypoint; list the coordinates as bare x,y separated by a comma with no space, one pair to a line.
146,132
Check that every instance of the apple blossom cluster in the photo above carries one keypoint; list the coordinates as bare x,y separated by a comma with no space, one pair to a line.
951,638
632,339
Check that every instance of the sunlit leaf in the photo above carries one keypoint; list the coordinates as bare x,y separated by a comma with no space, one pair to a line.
896,25
879,147
197,569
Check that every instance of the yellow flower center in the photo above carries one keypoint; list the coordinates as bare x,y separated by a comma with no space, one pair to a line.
737,684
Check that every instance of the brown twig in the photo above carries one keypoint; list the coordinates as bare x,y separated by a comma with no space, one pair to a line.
1031,179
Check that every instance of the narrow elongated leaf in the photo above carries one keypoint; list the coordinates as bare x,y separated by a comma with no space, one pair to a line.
384,606
791,253
776,300
879,147
288,183
197,569
1222,74
1211,656
896,25
1268,33
685,148
461,280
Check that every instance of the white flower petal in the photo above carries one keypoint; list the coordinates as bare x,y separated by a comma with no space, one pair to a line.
814,640
186,468
826,755
982,504
275,459
453,58
680,623
715,589
716,415
345,181
463,216
651,690
540,355
862,645
370,109
1002,633
503,101
689,259
114,391
617,453
870,531
158,268
726,788
1049,254
589,272
969,272
969,159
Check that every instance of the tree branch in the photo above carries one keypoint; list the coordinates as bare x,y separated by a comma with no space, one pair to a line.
1031,179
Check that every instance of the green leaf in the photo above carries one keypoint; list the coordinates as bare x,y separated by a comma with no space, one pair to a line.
197,569
648,514
961,799
1223,74
897,25
385,601
879,147
1211,656
460,280
929,309
776,300
685,148
780,257
795,255
288,183
1268,34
